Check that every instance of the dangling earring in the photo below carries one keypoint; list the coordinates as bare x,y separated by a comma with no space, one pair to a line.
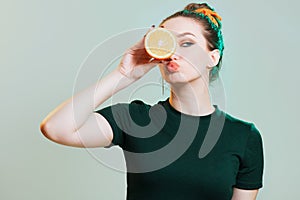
162,86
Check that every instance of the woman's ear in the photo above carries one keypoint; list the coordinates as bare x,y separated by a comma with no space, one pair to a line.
214,57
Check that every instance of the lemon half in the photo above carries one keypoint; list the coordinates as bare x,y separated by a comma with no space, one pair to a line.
160,43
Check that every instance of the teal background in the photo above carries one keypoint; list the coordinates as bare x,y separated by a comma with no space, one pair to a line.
44,43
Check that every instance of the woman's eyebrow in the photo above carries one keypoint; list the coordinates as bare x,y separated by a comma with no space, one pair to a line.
184,34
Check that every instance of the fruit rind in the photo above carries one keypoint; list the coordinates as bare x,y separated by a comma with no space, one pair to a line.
168,51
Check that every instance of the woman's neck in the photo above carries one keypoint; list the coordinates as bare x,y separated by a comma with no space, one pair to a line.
192,98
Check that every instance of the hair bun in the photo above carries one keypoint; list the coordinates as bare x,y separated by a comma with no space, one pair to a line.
195,6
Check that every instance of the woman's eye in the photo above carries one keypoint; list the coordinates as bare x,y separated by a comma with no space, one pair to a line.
186,44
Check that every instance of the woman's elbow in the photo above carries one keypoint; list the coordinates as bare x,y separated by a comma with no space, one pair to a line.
45,129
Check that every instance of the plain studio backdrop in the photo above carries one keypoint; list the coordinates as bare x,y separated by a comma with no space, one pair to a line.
51,49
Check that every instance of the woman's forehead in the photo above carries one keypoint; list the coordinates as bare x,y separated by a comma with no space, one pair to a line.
180,25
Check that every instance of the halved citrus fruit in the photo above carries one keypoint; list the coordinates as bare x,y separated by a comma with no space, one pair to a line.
160,43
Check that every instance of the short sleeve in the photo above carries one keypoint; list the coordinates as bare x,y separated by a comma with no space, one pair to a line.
116,116
250,174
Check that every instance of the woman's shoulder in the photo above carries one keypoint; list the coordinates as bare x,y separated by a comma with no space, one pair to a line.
237,120
135,106
139,105
143,105
240,124
241,132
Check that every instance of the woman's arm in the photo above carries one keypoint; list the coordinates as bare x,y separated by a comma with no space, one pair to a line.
74,122
239,194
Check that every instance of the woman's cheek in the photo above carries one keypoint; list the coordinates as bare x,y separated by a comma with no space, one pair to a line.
195,55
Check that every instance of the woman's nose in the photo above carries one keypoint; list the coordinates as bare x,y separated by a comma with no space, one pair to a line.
175,56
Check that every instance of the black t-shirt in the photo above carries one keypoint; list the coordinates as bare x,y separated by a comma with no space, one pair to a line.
172,155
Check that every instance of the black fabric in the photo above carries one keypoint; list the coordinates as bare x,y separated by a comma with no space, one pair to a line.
207,155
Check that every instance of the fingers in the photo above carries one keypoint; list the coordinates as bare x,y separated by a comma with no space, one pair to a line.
140,44
154,60
139,54
150,60
151,28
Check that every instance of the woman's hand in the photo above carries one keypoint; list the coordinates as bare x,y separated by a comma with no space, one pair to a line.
136,62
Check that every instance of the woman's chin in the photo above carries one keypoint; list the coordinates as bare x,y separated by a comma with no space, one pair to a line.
179,80
173,81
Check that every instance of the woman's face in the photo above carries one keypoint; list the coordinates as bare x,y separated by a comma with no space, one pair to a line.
192,57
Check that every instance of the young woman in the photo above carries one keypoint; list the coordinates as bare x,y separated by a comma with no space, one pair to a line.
182,147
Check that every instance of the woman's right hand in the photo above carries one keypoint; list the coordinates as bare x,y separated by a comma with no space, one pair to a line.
136,62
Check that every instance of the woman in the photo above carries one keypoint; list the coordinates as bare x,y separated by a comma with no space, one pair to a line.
180,148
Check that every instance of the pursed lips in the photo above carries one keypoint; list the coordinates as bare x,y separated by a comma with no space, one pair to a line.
172,66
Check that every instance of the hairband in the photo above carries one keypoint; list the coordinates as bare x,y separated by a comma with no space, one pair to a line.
212,15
